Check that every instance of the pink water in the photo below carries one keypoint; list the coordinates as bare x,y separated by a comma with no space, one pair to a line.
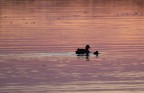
38,40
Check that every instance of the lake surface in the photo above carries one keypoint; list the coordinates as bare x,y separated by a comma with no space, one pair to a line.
38,40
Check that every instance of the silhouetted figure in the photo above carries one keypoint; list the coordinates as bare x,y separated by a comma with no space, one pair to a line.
96,53
83,51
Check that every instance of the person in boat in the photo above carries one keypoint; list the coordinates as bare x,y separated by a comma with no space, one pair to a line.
83,51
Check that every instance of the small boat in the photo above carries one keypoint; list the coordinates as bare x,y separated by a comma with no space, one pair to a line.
83,51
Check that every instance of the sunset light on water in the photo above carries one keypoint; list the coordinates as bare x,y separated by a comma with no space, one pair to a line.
38,40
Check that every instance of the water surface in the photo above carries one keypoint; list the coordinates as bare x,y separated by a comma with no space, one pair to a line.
38,40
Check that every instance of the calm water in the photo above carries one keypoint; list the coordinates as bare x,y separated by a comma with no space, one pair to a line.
38,40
